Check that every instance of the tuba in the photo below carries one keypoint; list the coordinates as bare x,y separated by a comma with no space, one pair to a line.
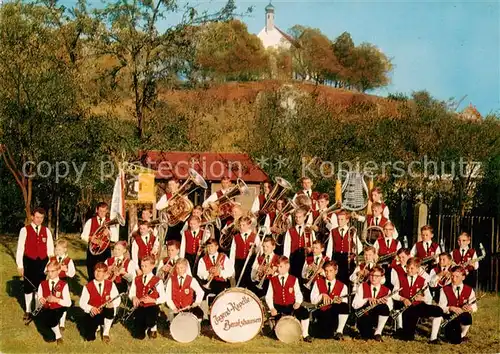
179,206
279,190
223,206
281,223
99,241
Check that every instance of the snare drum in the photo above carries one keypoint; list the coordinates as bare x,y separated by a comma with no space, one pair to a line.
236,315
185,327
288,329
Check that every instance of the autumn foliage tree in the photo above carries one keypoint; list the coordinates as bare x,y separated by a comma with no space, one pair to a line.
226,52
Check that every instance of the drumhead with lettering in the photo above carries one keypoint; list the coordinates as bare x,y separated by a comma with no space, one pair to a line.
236,315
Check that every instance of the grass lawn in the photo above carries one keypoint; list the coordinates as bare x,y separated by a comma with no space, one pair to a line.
15,337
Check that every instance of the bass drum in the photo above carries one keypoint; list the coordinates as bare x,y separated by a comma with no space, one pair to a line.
185,327
288,329
236,315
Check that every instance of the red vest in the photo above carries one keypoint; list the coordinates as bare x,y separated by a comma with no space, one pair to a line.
314,197
57,292
274,261
340,244
383,249
95,299
219,260
297,242
323,289
145,249
193,243
370,221
242,247
422,253
182,297
219,193
35,245
149,289
457,257
94,224
404,285
262,201
110,261
367,291
65,261
283,295
451,295
272,217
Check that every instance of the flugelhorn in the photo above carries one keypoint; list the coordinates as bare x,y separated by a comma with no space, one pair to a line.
314,274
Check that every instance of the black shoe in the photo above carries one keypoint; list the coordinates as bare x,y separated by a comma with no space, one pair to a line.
338,336
308,339
105,339
152,334
26,316
61,329
434,341
377,338
59,341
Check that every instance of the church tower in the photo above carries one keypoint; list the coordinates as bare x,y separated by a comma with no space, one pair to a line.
269,17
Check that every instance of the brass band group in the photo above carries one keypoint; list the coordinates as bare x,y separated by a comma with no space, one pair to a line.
296,265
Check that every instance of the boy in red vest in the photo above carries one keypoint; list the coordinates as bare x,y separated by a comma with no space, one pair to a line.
147,294
215,267
183,291
457,298
440,275
265,265
146,215
173,185
360,274
192,239
330,291
67,267
426,248
90,228
306,184
53,294
328,219
462,255
144,244
342,246
285,298
241,248
373,293
314,261
376,196
298,243
34,246
409,284
94,302
270,221
168,263
198,212
260,200
122,269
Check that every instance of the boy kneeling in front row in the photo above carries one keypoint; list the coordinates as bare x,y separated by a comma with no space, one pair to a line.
285,298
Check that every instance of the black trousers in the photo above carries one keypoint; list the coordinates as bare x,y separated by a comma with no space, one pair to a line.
297,260
329,317
470,279
93,260
413,313
174,232
33,272
345,266
51,318
145,317
216,287
246,280
453,331
260,293
194,267
287,310
368,321
92,322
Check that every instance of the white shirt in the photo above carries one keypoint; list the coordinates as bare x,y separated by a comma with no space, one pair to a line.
113,230
443,300
232,252
296,288
287,244
377,246
71,266
256,204
160,288
162,203
317,260
199,293
136,227
225,273
22,240
426,294
213,197
255,265
466,249
196,233
359,302
317,297
332,221
66,299
343,231
85,297
134,253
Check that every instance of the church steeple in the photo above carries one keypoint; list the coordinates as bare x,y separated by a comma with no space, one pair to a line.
269,17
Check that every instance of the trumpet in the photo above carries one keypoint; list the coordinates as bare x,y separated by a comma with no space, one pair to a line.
314,274
319,218
114,271
396,313
362,274
386,258
281,223
364,310
223,206
161,273
211,277
263,278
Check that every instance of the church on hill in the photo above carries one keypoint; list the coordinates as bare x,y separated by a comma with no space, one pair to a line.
271,36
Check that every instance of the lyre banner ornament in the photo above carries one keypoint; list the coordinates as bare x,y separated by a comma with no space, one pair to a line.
354,192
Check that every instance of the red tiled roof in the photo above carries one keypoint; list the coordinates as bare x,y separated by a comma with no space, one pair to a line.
287,37
211,165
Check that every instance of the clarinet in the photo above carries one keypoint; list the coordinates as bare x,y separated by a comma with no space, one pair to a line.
364,310
396,313
330,302
110,301
455,315
127,316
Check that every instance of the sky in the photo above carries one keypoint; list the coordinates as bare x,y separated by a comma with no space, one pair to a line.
449,48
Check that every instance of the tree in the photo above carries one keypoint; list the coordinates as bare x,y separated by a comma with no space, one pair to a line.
370,68
343,48
227,51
